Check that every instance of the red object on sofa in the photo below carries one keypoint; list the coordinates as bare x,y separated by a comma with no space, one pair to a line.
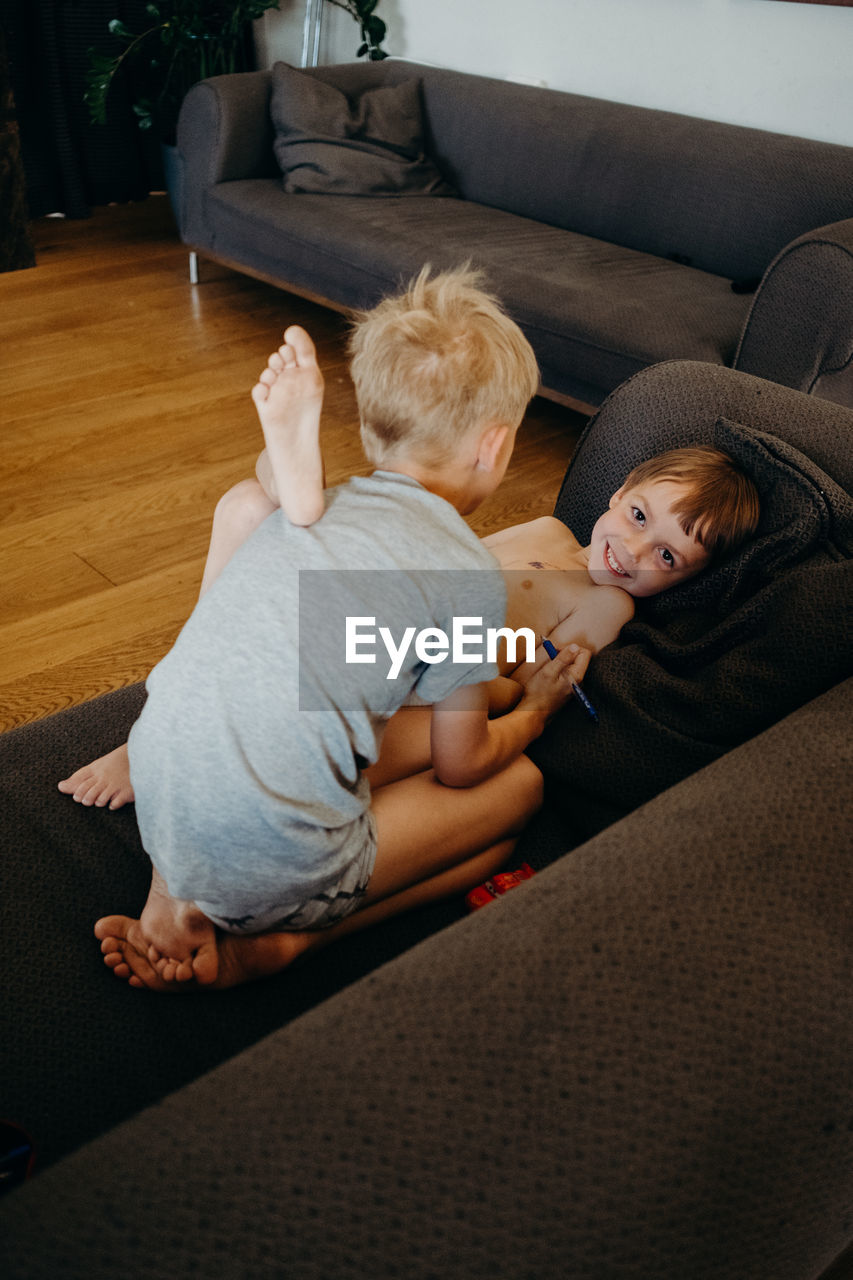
497,886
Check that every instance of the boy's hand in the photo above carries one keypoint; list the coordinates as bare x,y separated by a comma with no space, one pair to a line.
551,686
468,747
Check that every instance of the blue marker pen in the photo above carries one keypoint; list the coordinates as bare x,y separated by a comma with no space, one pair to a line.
590,710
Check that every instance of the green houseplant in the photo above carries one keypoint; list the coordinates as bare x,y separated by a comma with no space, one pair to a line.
372,28
187,41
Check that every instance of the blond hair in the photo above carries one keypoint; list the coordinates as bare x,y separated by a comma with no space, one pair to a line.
720,507
436,362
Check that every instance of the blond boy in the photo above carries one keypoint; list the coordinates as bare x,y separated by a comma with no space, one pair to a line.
257,815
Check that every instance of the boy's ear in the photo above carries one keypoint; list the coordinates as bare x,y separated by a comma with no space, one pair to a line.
491,445
616,496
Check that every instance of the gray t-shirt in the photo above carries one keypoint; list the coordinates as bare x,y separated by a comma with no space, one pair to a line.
246,760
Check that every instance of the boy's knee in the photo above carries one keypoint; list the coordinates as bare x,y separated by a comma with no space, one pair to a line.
245,504
530,788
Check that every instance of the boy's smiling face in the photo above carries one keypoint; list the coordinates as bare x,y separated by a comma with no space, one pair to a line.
639,544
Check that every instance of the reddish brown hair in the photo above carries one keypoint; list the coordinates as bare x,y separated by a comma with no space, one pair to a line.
720,506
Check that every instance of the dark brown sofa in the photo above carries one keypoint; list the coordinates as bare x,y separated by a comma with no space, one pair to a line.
635,1065
616,235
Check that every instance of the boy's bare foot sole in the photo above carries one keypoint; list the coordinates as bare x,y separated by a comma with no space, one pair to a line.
179,939
238,959
289,398
103,783
126,949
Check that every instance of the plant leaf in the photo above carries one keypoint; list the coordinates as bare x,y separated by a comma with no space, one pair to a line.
117,28
144,112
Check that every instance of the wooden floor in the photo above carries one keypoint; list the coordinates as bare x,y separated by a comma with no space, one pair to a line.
125,413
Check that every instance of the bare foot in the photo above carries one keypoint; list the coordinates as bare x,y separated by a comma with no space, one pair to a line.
180,940
289,398
238,960
104,782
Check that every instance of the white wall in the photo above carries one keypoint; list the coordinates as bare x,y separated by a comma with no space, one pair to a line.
279,33
787,67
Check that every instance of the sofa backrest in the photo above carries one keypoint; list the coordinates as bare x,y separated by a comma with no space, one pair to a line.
720,197
678,403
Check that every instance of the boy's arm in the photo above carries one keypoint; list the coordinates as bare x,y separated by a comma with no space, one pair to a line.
594,623
596,620
504,694
467,747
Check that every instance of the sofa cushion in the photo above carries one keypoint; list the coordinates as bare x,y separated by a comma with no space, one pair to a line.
371,145
352,251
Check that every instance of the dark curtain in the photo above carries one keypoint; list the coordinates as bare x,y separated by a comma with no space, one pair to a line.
16,248
71,164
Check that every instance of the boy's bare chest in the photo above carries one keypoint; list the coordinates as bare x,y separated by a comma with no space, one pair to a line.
546,576
540,596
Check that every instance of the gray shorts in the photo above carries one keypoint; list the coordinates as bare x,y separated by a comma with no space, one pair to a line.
322,911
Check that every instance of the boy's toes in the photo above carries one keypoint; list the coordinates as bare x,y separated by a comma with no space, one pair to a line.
111,929
287,356
184,971
118,935
178,972
94,792
118,799
164,966
167,969
260,393
205,964
81,787
121,969
201,967
303,348
115,960
94,796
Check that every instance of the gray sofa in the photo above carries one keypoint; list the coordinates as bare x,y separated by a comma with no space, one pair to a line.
635,1065
617,236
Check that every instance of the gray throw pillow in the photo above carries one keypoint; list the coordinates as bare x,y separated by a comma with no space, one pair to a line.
370,145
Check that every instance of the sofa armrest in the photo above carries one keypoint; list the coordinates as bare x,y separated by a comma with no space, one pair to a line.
799,331
225,133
